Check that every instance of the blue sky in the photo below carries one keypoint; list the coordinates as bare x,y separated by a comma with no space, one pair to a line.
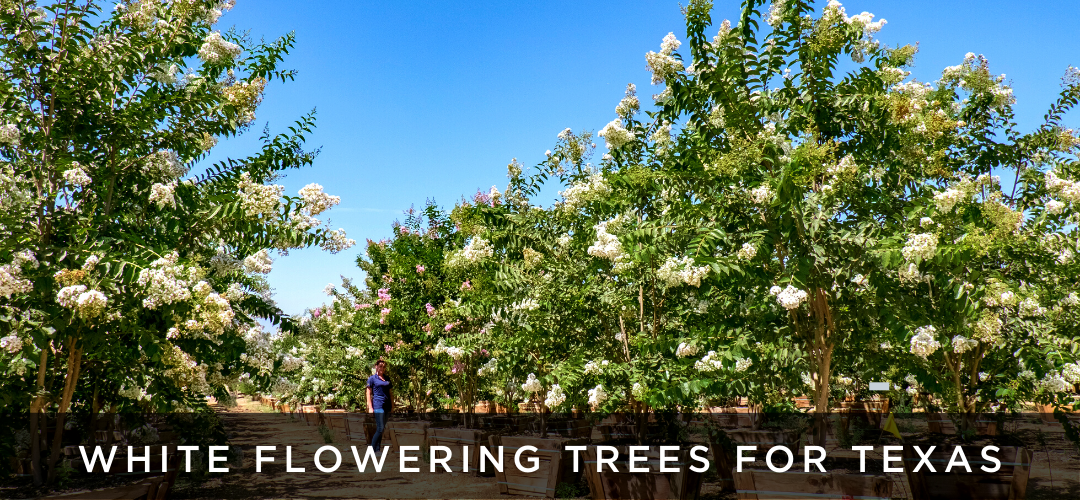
431,100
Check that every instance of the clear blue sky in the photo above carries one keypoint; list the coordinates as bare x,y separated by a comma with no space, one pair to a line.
421,100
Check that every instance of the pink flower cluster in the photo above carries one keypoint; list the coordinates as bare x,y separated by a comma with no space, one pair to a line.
384,297
420,269
458,367
430,310
361,306
482,198
466,285
450,326
383,314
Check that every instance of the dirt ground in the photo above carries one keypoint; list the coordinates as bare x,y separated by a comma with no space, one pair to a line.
248,430
1055,472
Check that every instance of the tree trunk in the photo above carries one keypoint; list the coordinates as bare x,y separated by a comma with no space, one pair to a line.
37,419
74,366
821,393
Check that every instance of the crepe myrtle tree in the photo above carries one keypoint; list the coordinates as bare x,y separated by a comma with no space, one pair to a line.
812,184
429,294
778,178
113,255
983,269
548,309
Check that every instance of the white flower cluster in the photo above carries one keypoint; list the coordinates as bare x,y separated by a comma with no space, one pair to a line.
709,363
594,368
761,194
1071,373
988,328
477,249
163,194
245,97
776,13
1070,300
11,281
258,262
166,281
629,105
1054,207
615,135
866,19
290,363
1066,189
747,252
584,191
211,313
597,396
607,245
315,200
9,134
846,165
335,241
489,368
963,344
455,353
217,50
920,246
686,350
77,176
789,297
525,305
532,384
638,391
555,397
742,364
948,199
12,344
1030,307
662,64
1053,382
676,271
923,343
257,199
860,281
164,165
514,168
88,304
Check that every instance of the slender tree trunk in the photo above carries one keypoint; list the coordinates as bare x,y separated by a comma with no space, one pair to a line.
823,355
37,420
74,366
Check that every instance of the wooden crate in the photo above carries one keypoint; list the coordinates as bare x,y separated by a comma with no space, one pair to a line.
724,458
682,485
1008,483
310,414
359,427
766,484
334,418
940,423
407,433
556,465
455,440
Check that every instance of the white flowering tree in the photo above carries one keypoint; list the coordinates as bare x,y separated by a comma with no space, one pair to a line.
805,189
119,265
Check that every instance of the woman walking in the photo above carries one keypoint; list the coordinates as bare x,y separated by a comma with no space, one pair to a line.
380,401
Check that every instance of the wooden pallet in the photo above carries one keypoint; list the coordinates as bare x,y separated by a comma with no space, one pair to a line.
769,485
